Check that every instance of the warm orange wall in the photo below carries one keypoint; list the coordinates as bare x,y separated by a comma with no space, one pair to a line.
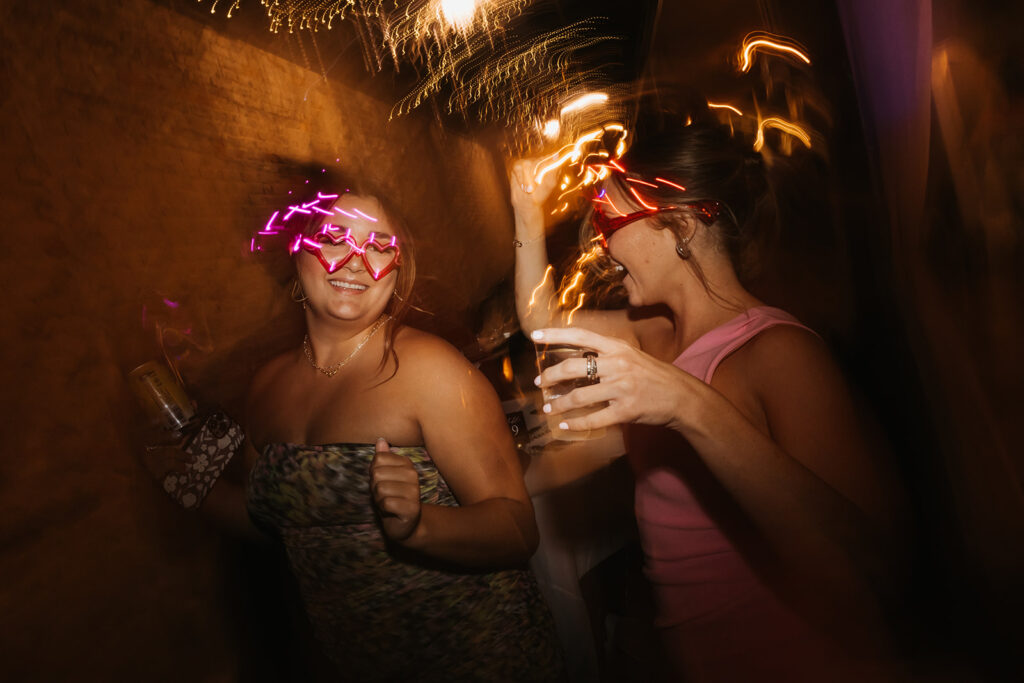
138,156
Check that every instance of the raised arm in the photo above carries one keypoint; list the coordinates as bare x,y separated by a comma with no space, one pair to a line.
534,284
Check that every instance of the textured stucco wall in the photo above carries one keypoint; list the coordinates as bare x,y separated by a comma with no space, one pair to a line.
139,153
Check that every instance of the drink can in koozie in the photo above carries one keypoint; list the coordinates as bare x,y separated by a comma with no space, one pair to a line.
161,395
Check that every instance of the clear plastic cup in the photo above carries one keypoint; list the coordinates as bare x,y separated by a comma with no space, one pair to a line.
553,354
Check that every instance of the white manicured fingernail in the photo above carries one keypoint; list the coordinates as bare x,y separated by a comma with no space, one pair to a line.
547,408
563,425
536,380
537,334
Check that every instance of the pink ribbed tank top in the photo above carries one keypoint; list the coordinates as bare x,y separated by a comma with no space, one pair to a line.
716,610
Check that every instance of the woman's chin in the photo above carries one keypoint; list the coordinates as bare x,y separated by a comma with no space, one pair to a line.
632,295
345,311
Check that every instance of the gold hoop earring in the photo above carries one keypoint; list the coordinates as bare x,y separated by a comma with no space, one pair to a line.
298,295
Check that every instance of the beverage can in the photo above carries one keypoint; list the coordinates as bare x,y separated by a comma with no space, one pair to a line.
161,395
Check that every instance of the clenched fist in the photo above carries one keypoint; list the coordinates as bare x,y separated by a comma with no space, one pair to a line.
395,487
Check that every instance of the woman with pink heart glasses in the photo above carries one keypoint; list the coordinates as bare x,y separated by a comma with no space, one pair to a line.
381,459
762,507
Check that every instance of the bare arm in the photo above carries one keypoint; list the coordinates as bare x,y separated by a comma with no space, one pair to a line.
535,292
466,435
820,522
563,462
224,505
534,285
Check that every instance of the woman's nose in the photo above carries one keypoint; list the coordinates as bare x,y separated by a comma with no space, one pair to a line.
355,264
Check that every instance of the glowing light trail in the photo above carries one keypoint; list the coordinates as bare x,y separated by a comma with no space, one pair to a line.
767,42
584,101
579,304
783,125
533,295
458,13
713,105
671,184
575,282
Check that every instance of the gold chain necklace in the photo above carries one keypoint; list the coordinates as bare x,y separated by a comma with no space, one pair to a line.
333,370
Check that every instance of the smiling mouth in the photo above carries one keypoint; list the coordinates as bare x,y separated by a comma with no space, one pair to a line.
351,286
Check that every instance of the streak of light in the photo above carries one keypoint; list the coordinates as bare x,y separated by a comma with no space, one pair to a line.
671,184
584,101
458,13
783,125
767,42
713,105
641,200
579,304
575,282
533,295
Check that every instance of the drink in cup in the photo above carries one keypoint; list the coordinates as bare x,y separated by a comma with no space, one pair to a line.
553,354
161,395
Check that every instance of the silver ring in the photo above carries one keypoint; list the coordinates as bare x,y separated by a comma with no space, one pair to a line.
591,366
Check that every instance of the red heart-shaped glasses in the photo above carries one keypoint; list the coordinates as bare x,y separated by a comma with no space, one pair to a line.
380,256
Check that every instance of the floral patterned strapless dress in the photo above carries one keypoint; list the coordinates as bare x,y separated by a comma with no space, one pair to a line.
380,612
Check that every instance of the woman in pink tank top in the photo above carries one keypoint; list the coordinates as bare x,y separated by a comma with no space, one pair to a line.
761,508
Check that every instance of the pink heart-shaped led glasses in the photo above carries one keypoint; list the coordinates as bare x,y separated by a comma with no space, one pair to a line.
334,248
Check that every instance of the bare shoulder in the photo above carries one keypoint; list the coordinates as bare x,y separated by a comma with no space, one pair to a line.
421,352
432,369
799,386
812,415
782,351
438,381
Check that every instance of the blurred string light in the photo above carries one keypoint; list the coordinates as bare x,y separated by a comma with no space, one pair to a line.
589,159
459,13
729,107
583,102
232,8
776,46
783,125
514,80
478,59
768,42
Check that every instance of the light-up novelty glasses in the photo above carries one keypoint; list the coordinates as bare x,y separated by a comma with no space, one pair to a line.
605,225
334,246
